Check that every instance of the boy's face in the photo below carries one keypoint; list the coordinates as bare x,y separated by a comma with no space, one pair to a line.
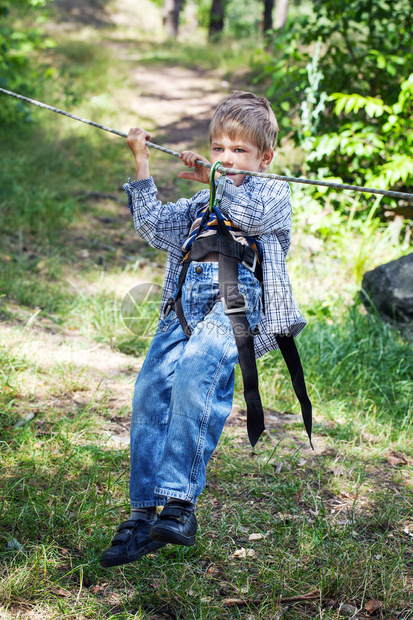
238,154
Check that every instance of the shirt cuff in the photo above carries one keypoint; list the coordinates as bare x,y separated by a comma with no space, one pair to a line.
138,187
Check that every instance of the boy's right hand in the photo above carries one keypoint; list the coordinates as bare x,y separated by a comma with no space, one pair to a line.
136,140
200,173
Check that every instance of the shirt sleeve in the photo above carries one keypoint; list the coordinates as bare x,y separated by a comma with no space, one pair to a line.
258,206
163,226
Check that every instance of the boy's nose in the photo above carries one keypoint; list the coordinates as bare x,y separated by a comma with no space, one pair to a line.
227,160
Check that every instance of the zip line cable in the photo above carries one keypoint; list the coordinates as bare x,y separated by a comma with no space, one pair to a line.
266,175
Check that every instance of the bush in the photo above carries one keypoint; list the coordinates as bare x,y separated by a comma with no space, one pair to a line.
342,76
18,43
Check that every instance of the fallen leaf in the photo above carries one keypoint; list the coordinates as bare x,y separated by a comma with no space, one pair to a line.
285,516
396,460
373,605
14,544
278,467
243,553
61,592
233,601
338,471
298,495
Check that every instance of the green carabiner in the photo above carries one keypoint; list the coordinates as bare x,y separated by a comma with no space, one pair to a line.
212,189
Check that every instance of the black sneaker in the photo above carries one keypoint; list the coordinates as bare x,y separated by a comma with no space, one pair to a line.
176,524
130,543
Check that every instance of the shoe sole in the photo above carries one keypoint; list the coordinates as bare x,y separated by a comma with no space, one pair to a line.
165,535
118,561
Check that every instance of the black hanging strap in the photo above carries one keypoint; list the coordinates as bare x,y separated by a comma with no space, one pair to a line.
291,357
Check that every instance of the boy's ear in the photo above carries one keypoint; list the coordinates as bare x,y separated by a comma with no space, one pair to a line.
266,158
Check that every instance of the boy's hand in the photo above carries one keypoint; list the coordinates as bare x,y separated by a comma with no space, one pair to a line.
136,141
200,173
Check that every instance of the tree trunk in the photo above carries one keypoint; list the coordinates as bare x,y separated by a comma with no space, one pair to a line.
281,13
171,11
268,8
216,18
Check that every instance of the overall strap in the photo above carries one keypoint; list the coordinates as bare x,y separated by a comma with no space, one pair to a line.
176,302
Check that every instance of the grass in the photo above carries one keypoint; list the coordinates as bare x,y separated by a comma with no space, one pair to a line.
275,523
324,522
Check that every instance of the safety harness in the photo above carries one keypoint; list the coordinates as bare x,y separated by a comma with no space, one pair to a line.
230,254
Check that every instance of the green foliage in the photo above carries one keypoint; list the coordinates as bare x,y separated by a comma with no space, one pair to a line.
203,11
18,44
242,18
342,76
377,149
366,48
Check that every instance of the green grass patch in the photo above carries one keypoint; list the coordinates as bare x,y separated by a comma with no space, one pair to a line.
358,368
264,536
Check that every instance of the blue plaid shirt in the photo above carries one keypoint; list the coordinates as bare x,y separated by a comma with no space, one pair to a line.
259,207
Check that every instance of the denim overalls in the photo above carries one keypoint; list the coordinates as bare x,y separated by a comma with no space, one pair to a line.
183,393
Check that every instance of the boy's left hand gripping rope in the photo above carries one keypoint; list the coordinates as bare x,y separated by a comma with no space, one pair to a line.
266,175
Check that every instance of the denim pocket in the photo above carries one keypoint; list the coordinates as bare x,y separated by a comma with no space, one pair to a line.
166,322
198,297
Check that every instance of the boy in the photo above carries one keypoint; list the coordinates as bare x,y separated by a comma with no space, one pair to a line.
184,392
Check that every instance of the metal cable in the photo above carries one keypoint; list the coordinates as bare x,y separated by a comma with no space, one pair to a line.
265,175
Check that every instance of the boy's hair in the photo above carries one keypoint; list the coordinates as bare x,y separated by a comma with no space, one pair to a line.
246,114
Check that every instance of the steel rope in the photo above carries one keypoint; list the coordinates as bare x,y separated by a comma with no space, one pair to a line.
265,175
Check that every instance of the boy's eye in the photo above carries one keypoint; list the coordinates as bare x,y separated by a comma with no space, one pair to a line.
239,150
218,148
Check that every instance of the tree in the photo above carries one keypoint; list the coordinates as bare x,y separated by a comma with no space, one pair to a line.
281,14
366,49
267,20
171,12
216,18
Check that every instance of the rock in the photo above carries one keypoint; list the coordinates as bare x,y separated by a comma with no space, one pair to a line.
348,610
389,288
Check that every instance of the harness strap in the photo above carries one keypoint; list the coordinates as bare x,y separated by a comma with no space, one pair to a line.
223,245
230,253
234,306
291,357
